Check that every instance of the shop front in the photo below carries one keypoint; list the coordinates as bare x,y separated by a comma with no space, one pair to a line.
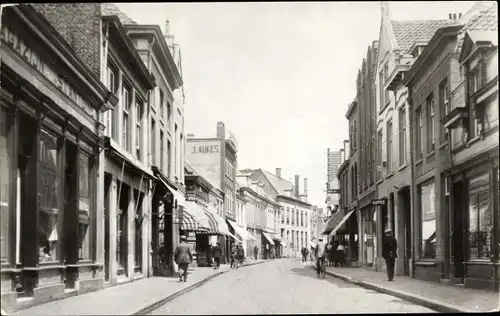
474,221
367,224
278,245
267,245
195,226
167,200
50,111
345,232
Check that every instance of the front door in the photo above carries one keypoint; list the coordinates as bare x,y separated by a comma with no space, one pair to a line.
406,209
457,232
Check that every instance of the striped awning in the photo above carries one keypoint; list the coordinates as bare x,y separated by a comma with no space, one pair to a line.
190,220
217,225
333,221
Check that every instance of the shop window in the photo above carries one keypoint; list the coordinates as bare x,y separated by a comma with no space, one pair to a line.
49,204
85,209
5,184
428,222
480,218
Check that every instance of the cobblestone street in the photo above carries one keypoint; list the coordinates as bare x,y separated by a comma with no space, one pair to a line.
279,287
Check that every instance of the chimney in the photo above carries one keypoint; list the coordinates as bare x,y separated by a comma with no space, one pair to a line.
305,187
297,185
221,130
167,27
450,16
460,15
278,172
454,16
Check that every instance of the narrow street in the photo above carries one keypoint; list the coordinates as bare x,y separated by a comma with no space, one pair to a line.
280,287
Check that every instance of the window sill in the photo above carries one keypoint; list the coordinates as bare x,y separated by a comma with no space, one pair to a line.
473,140
46,266
389,175
429,155
427,263
379,181
403,166
82,264
485,262
162,121
153,108
419,161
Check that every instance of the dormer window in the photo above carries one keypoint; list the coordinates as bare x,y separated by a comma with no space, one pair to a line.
417,51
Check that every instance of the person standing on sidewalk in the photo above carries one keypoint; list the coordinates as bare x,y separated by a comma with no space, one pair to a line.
217,253
232,256
319,254
341,254
255,252
240,255
183,258
389,247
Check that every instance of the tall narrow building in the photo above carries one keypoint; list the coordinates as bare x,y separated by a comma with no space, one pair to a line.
332,186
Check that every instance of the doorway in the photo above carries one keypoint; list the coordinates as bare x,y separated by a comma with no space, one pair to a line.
107,187
405,199
459,205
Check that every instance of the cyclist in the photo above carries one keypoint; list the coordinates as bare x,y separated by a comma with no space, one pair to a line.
319,253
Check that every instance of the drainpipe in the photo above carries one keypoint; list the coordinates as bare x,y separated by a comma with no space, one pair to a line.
412,185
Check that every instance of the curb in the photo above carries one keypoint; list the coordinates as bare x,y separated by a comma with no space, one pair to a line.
156,305
416,299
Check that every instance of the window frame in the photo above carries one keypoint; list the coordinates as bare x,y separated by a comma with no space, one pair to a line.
430,111
389,145
402,136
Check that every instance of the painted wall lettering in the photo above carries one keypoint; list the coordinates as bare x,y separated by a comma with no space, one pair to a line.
10,38
206,149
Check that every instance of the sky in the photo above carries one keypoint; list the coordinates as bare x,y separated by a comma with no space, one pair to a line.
279,75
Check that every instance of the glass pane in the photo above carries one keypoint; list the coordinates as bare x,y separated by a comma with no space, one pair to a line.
84,212
5,184
49,212
485,225
473,226
428,213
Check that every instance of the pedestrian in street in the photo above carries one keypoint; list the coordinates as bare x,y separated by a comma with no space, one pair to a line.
389,248
240,255
330,254
208,254
306,253
341,254
217,253
183,258
232,256
256,252
319,254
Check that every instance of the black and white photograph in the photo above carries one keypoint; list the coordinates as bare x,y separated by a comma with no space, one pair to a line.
249,158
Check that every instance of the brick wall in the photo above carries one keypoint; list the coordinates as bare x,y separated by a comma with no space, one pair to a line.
79,24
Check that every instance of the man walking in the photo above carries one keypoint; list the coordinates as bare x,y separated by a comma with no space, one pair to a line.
389,247
217,254
183,258
319,254
232,256
255,252
240,255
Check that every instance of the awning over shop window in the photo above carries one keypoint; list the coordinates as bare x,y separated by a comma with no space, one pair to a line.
269,238
217,224
198,214
277,239
181,200
332,222
342,222
235,238
189,223
241,231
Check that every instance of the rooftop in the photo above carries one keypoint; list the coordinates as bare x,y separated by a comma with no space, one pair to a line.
408,32
279,184
111,9
482,18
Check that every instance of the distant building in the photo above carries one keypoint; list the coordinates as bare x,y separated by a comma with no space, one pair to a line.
332,186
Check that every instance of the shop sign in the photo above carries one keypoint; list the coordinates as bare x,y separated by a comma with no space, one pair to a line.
378,202
10,38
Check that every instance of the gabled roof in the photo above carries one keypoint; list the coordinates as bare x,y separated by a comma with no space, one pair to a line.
407,32
483,16
111,9
280,185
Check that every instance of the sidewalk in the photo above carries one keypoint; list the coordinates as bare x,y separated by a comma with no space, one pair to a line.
133,298
437,296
